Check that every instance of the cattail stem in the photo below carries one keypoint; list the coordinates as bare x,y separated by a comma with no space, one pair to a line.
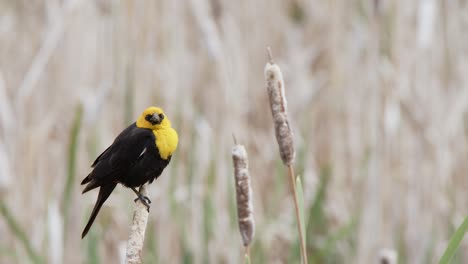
247,255
284,136
137,231
300,225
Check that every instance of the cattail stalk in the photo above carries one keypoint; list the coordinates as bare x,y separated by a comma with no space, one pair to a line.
137,231
244,196
284,136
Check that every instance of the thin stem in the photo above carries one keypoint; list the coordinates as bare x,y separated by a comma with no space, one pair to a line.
247,254
299,221
270,55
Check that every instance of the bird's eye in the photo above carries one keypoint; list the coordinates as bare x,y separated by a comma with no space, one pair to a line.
161,116
148,117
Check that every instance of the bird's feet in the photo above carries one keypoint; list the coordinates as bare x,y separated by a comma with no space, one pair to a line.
144,200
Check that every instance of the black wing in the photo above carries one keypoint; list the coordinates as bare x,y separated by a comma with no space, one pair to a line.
119,158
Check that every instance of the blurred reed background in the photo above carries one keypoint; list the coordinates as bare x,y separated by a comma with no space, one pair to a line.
378,101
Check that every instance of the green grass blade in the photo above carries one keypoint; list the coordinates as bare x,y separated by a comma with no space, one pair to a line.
93,249
9,253
19,233
300,201
247,259
71,166
232,201
454,243
332,240
208,225
209,211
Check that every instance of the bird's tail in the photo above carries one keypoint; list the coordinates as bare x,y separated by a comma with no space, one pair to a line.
104,193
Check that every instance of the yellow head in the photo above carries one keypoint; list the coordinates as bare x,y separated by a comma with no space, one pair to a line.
166,137
153,118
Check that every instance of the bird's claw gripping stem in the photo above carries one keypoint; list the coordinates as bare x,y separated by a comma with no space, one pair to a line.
143,199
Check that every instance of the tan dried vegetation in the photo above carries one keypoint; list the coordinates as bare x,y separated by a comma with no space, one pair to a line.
377,99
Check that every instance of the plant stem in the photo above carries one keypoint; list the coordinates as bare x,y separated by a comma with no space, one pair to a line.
247,255
300,225
137,234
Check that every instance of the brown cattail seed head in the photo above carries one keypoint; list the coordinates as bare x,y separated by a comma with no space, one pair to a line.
278,105
244,194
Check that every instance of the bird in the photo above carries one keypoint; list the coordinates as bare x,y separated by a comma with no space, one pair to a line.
137,156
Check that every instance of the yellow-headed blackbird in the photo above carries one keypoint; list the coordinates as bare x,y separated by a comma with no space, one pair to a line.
137,156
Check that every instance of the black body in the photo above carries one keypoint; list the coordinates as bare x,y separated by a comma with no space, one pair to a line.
132,160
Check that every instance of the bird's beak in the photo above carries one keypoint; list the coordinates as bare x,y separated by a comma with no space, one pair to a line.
155,119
